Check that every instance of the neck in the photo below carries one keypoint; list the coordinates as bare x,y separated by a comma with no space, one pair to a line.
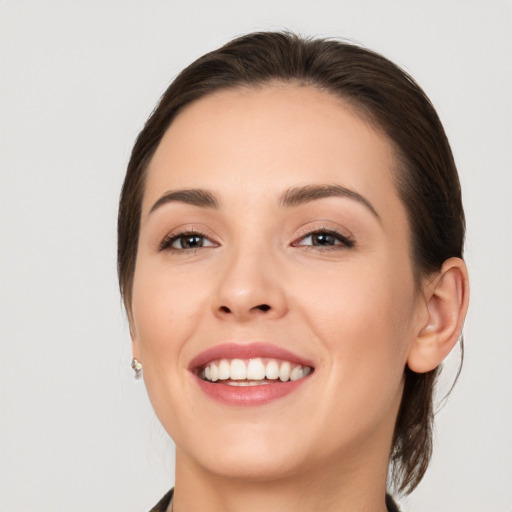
329,486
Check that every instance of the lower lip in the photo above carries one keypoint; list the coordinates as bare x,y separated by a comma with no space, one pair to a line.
249,395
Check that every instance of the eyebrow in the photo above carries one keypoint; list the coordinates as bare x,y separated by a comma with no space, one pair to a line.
299,195
292,197
194,197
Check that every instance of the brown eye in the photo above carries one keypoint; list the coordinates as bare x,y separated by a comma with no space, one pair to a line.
185,242
323,239
327,239
188,242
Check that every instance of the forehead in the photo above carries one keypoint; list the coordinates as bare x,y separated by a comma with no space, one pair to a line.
263,140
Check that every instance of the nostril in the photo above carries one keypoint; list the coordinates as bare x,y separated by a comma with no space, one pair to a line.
260,307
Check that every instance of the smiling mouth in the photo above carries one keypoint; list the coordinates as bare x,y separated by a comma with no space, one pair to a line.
252,372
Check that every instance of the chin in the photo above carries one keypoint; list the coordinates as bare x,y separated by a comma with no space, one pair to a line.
252,463
241,452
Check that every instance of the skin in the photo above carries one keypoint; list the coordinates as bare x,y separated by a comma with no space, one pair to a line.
354,311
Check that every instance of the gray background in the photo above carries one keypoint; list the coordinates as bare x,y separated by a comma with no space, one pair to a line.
77,81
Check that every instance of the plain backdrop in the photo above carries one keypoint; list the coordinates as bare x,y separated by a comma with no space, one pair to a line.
78,79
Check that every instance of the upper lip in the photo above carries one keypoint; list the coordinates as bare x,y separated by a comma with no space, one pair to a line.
246,351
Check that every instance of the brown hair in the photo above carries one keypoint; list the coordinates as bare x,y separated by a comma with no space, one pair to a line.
426,176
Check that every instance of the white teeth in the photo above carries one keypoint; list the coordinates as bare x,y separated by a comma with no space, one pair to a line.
238,371
224,369
272,370
256,372
284,371
214,371
297,373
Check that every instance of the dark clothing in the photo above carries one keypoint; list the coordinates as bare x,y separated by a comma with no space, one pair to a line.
391,505
162,505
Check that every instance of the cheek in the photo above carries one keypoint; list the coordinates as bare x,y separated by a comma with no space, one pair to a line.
363,326
364,319
165,311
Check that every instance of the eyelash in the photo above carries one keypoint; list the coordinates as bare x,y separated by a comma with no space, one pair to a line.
346,241
171,238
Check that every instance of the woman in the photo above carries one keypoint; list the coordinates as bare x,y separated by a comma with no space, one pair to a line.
290,257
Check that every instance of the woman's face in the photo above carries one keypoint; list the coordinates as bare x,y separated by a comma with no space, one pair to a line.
273,242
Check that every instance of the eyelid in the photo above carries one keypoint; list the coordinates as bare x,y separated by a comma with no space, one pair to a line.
347,239
344,236
166,243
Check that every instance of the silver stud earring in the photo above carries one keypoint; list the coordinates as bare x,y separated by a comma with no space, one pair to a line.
137,367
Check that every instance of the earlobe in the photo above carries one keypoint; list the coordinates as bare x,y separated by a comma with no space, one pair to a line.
133,336
446,303
135,344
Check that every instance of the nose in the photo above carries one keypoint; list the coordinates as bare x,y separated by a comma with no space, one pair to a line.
250,287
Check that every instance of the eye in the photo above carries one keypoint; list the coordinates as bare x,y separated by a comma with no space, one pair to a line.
186,241
325,238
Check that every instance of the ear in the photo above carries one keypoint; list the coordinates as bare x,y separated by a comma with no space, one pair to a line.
445,305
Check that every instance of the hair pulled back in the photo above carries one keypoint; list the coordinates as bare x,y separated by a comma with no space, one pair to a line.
426,176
